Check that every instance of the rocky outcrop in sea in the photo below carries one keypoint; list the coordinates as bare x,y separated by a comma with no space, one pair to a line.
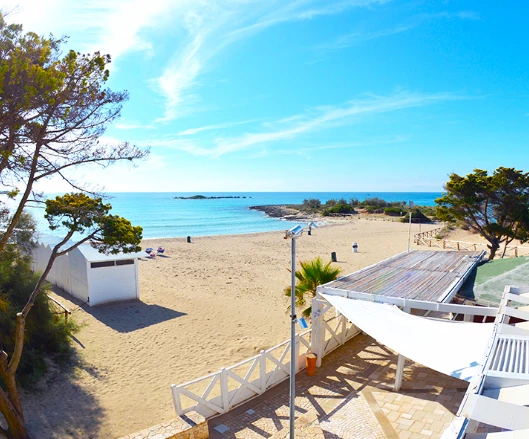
282,212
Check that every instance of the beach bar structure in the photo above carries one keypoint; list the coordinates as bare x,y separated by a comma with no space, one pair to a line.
90,276
394,301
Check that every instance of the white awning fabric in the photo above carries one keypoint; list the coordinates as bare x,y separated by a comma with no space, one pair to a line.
452,348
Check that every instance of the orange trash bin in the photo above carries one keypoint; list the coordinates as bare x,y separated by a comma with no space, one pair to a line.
311,364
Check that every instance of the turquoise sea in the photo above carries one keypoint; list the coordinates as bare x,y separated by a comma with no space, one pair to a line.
163,216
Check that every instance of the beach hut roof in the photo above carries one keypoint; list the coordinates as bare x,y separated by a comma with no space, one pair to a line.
89,252
92,255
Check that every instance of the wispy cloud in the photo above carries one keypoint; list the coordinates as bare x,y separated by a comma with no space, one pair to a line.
304,150
361,36
213,127
204,27
133,126
315,119
211,27
358,37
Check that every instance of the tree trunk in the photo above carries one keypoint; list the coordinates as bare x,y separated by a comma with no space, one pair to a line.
16,427
493,249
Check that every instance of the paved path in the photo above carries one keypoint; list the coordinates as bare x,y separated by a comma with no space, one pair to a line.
351,396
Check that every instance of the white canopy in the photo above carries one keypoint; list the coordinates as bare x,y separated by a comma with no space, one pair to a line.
452,348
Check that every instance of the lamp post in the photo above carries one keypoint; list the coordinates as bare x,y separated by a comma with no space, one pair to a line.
293,233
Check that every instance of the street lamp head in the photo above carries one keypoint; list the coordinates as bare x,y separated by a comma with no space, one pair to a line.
294,232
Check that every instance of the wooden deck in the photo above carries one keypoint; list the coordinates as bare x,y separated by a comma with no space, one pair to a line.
433,276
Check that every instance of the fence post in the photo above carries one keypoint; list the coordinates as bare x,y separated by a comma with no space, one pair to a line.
176,400
224,390
262,372
444,244
515,252
457,245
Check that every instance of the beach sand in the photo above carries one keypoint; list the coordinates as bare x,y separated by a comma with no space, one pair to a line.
205,305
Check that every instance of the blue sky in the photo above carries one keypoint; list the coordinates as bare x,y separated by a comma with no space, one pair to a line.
304,95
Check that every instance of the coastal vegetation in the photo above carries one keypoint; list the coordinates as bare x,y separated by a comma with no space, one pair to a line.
496,206
54,109
343,207
47,336
311,274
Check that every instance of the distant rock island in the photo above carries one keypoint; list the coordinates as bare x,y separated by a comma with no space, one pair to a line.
203,197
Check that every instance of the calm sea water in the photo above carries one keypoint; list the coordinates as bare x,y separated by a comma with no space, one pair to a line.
163,216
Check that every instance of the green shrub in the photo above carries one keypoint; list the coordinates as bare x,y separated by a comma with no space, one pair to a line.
46,334
416,216
375,202
312,203
394,211
339,208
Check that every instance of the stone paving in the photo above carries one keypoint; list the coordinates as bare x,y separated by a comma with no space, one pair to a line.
351,396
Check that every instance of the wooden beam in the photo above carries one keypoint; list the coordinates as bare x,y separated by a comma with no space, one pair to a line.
412,303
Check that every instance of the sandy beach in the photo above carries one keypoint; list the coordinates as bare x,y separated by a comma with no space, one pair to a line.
205,305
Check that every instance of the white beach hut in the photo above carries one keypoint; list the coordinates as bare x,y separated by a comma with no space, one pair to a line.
90,276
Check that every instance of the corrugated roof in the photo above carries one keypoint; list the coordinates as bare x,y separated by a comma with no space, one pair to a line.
420,275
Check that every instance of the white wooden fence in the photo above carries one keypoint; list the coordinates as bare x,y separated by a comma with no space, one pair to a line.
221,391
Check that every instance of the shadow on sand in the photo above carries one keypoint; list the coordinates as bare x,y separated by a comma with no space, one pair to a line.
124,316
131,316
60,407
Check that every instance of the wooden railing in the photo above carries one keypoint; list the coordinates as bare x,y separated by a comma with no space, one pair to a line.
64,311
419,238
221,391
512,251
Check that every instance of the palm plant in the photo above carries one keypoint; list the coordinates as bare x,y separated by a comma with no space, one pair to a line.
311,274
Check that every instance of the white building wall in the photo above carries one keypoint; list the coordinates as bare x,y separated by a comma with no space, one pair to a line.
40,257
78,275
60,273
112,284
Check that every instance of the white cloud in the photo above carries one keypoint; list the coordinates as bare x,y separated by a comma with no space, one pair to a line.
112,26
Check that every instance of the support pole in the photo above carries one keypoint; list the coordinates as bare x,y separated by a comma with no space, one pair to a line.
293,342
400,372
